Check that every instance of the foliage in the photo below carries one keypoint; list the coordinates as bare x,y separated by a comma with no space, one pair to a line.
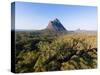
41,52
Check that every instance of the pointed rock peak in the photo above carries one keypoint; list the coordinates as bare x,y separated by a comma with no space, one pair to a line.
56,20
55,25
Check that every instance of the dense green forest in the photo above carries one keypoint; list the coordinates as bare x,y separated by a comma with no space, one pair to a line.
36,52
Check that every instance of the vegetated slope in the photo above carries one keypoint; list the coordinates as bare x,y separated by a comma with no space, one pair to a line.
38,53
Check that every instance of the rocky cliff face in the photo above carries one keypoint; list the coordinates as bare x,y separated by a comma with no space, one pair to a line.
56,25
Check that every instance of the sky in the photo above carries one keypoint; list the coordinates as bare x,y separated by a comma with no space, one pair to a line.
36,16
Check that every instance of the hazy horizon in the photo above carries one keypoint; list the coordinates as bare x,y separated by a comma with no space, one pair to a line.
36,16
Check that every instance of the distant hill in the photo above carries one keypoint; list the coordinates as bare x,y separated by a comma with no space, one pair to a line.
56,26
90,32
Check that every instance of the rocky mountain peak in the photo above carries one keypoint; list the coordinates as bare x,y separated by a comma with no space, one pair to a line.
56,25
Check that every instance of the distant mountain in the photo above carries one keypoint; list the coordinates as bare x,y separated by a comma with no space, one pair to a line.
89,32
56,26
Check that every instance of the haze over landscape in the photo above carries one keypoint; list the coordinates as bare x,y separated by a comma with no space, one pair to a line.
35,16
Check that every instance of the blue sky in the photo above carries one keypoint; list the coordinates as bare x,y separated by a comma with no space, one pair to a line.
35,16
